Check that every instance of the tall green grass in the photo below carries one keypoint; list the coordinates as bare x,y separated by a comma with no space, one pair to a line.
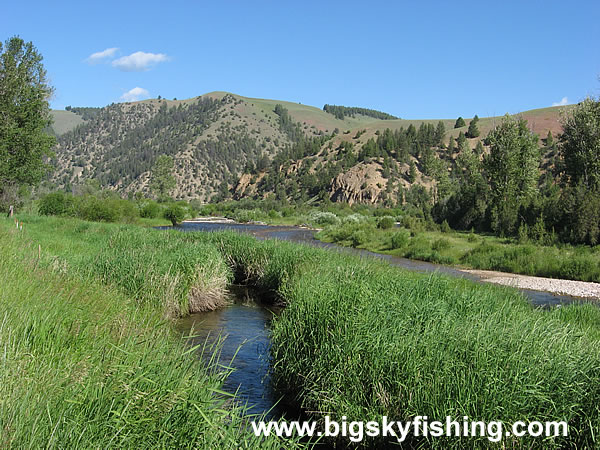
473,251
83,366
361,339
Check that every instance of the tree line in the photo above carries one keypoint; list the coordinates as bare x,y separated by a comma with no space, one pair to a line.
342,111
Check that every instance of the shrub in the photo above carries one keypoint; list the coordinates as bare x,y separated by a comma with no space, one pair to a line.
174,213
445,227
385,223
440,244
354,218
56,204
151,210
94,209
400,239
323,218
472,236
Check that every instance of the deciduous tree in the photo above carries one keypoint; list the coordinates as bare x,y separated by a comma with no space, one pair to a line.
162,180
580,144
24,117
512,167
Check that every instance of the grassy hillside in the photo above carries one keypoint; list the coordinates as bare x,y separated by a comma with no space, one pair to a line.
212,151
64,121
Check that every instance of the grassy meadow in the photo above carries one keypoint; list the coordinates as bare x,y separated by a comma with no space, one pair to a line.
357,338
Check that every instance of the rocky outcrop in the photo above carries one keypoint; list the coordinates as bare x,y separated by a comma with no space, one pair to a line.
360,184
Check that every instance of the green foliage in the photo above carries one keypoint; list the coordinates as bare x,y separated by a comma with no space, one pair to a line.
348,339
323,218
580,144
386,223
460,122
473,130
101,206
342,111
399,239
174,213
287,124
150,210
513,170
24,95
56,204
549,140
110,372
440,244
412,172
86,113
445,227
162,180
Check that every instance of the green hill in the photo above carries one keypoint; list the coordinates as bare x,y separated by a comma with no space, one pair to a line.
223,142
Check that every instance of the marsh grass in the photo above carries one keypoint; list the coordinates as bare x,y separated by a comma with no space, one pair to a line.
84,366
473,251
358,338
362,340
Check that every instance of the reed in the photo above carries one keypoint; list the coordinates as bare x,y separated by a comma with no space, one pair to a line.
82,365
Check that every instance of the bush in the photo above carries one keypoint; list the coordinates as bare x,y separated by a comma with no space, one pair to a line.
174,213
445,227
400,239
354,218
385,223
57,204
323,218
151,210
96,210
440,244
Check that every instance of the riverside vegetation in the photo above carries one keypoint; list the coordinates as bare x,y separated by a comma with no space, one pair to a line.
357,338
403,232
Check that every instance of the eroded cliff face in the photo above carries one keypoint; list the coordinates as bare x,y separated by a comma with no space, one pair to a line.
360,184
247,185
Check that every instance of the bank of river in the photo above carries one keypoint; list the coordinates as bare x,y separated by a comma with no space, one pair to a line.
545,292
244,327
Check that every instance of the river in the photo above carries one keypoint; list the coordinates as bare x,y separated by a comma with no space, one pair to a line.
244,326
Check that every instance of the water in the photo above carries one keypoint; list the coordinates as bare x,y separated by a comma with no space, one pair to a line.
245,324
243,329
306,236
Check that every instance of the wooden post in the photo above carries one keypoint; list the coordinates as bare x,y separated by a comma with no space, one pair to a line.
39,251
11,210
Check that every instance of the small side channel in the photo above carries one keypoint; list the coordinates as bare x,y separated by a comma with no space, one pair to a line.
245,330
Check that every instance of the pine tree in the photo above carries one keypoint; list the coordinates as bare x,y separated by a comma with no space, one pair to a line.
440,133
460,122
162,180
479,148
460,140
549,140
451,145
412,173
473,131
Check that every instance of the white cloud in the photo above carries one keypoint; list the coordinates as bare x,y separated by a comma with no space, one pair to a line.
98,57
135,94
563,102
139,61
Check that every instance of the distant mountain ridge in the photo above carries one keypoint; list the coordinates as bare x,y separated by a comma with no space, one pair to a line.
219,139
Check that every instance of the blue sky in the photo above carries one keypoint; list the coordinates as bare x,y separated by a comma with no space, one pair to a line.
412,59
